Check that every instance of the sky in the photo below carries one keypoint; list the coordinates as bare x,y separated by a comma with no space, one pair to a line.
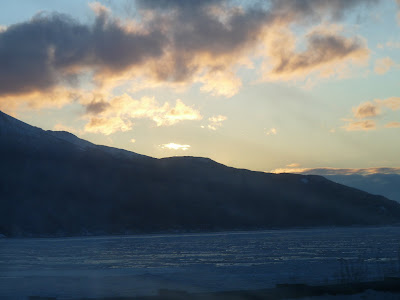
274,85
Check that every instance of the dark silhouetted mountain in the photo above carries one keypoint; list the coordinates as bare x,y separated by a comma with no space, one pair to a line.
55,184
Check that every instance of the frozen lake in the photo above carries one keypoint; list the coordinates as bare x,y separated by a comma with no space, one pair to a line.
137,265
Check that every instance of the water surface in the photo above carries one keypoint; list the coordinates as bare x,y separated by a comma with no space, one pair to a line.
138,265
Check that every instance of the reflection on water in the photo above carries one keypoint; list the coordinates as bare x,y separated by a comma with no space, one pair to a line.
131,265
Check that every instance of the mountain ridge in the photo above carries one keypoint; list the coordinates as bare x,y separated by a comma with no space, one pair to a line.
55,184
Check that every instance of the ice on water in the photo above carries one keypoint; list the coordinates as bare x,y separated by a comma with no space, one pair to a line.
133,265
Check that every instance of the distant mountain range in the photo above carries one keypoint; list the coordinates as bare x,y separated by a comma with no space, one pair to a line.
55,184
387,185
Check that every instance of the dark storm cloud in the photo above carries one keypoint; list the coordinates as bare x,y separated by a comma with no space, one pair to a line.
200,33
195,30
189,35
38,54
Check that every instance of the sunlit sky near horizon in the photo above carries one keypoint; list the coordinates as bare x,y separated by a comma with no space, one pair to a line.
261,85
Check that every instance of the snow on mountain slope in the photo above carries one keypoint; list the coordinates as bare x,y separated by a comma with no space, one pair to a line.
25,133
10,125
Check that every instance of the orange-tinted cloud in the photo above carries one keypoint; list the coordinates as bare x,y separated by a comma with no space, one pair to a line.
383,65
108,126
216,121
118,113
171,42
293,165
56,98
393,103
174,146
364,125
326,53
393,125
367,109
371,109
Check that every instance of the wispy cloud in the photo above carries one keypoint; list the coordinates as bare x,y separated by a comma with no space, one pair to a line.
364,125
174,146
393,125
392,103
293,165
383,65
216,121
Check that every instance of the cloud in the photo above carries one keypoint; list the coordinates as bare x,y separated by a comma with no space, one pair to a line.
220,83
393,45
393,125
173,146
55,98
367,109
392,103
288,170
180,112
383,65
271,131
364,125
338,171
96,107
371,109
293,165
53,49
314,9
170,41
216,121
116,114
326,53
108,126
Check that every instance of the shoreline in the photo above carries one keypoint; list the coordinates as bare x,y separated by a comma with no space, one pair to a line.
196,232
280,291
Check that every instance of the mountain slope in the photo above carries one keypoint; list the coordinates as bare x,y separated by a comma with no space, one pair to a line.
53,183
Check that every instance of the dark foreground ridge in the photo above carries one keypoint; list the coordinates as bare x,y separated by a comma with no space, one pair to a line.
281,291
55,184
